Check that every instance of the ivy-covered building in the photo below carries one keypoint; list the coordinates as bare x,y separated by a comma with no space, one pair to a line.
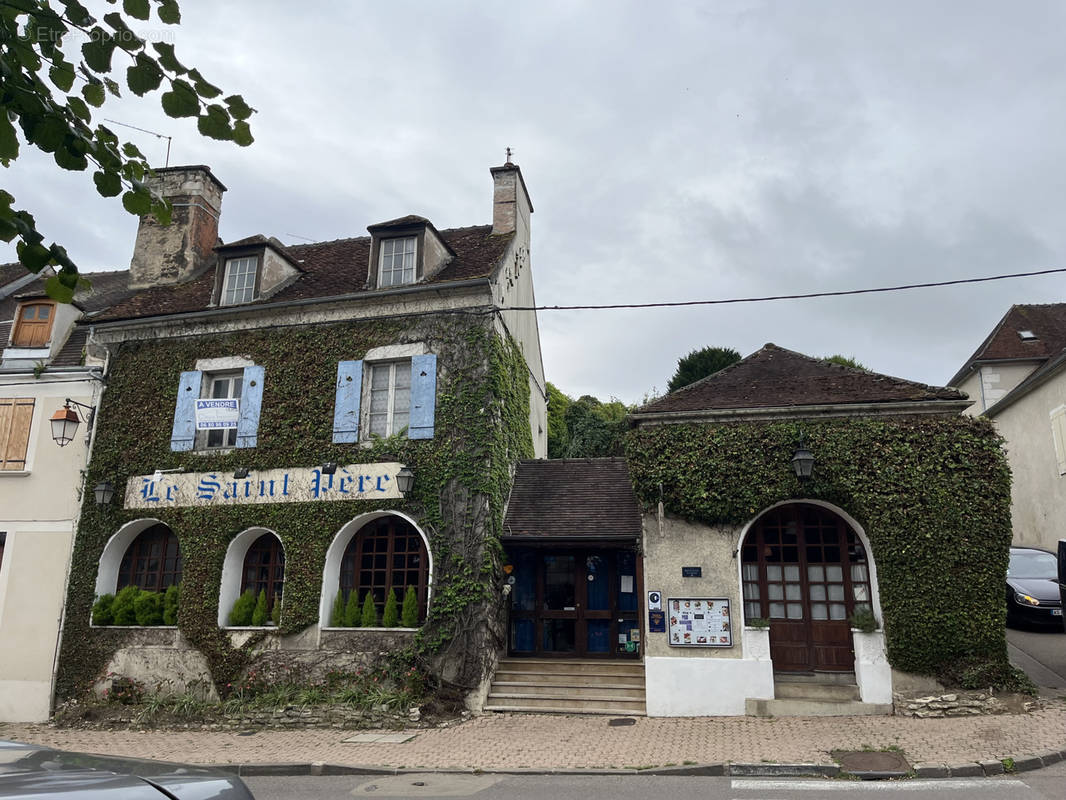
313,442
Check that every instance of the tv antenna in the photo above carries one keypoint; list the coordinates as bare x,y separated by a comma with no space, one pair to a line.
145,130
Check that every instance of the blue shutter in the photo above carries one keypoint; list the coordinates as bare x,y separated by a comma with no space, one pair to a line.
346,405
184,433
423,396
251,403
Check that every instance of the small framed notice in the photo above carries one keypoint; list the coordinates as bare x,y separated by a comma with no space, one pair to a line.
699,622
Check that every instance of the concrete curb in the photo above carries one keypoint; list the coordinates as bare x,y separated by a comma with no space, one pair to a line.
966,769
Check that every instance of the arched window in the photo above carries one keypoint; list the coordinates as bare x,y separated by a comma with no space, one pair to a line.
152,562
387,554
264,568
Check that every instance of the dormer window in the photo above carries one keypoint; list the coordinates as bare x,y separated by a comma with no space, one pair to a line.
33,327
397,261
239,284
1027,336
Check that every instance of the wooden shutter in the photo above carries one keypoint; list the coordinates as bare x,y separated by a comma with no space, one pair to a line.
346,404
423,396
33,327
184,432
251,404
16,416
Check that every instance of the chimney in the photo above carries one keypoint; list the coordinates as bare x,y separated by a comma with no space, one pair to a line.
510,200
169,254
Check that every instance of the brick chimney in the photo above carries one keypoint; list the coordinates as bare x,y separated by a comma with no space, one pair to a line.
510,200
168,254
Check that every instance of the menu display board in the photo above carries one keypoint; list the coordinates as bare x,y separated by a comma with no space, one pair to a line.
699,622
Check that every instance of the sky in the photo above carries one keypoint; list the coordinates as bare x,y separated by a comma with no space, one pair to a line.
674,151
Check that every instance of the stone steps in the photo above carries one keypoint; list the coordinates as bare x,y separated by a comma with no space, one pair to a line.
572,686
814,695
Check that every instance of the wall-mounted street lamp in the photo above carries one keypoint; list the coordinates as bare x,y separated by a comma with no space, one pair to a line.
240,473
66,420
329,468
405,480
803,461
104,491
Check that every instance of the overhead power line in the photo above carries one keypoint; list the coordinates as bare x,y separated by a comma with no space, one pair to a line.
787,296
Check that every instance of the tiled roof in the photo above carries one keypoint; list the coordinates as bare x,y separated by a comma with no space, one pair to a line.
775,377
10,272
582,498
1047,322
331,268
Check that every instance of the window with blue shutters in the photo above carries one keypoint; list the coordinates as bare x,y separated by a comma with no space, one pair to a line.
243,385
384,397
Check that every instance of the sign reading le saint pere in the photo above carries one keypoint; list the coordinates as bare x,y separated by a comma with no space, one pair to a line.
293,485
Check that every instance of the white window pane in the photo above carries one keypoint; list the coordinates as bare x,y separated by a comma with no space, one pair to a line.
379,378
815,573
379,402
837,611
752,610
817,591
751,572
858,573
403,376
795,611
861,593
773,572
751,591
399,421
220,388
862,607
379,424
777,610
819,611
792,592
834,574
836,592
774,592
792,572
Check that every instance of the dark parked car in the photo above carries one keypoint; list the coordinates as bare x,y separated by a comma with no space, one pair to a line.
1033,588
32,771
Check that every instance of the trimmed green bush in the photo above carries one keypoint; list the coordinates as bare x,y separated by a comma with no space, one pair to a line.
275,610
103,613
369,618
123,611
336,616
148,608
409,613
259,614
352,614
391,617
171,600
241,615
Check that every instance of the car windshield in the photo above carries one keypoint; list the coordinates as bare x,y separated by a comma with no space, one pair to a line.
1032,564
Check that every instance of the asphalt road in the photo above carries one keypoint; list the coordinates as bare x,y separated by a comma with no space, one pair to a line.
1047,784
1042,654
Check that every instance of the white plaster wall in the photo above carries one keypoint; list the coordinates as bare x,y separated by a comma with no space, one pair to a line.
276,270
1038,491
233,569
687,687
873,675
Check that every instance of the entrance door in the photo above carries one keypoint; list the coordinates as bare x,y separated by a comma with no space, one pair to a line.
578,602
806,571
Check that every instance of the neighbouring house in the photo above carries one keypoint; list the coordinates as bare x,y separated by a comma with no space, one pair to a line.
782,491
295,431
44,372
1017,378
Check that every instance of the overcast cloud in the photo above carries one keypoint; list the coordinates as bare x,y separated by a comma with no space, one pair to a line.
674,151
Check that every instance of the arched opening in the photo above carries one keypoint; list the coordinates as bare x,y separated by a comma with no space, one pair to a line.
144,553
806,569
255,560
377,553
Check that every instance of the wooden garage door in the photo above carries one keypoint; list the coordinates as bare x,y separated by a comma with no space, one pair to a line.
806,571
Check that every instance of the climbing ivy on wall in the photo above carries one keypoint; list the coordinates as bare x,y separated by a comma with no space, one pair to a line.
462,479
932,494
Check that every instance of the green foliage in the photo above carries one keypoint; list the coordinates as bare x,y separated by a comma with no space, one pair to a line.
148,608
931,493
558,432
864,620
51,100
336,615
260,615
171,601
275,611
701,363
758,622
243,609
391,616
409,612
369,617
846,361
122,610
352,611
103,612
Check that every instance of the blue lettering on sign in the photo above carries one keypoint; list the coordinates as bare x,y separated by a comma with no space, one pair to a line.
148,490
381,478
172,493
207,487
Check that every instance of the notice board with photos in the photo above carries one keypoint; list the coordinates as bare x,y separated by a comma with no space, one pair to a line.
699,622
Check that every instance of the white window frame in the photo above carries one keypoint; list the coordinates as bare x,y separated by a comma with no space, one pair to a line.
240,280
1058,436
394,367
226,438
403,249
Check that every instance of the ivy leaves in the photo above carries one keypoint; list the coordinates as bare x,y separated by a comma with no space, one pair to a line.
58,64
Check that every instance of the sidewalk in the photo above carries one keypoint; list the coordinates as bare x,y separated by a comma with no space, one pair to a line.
505,742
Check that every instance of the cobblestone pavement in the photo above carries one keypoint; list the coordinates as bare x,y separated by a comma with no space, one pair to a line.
544,742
